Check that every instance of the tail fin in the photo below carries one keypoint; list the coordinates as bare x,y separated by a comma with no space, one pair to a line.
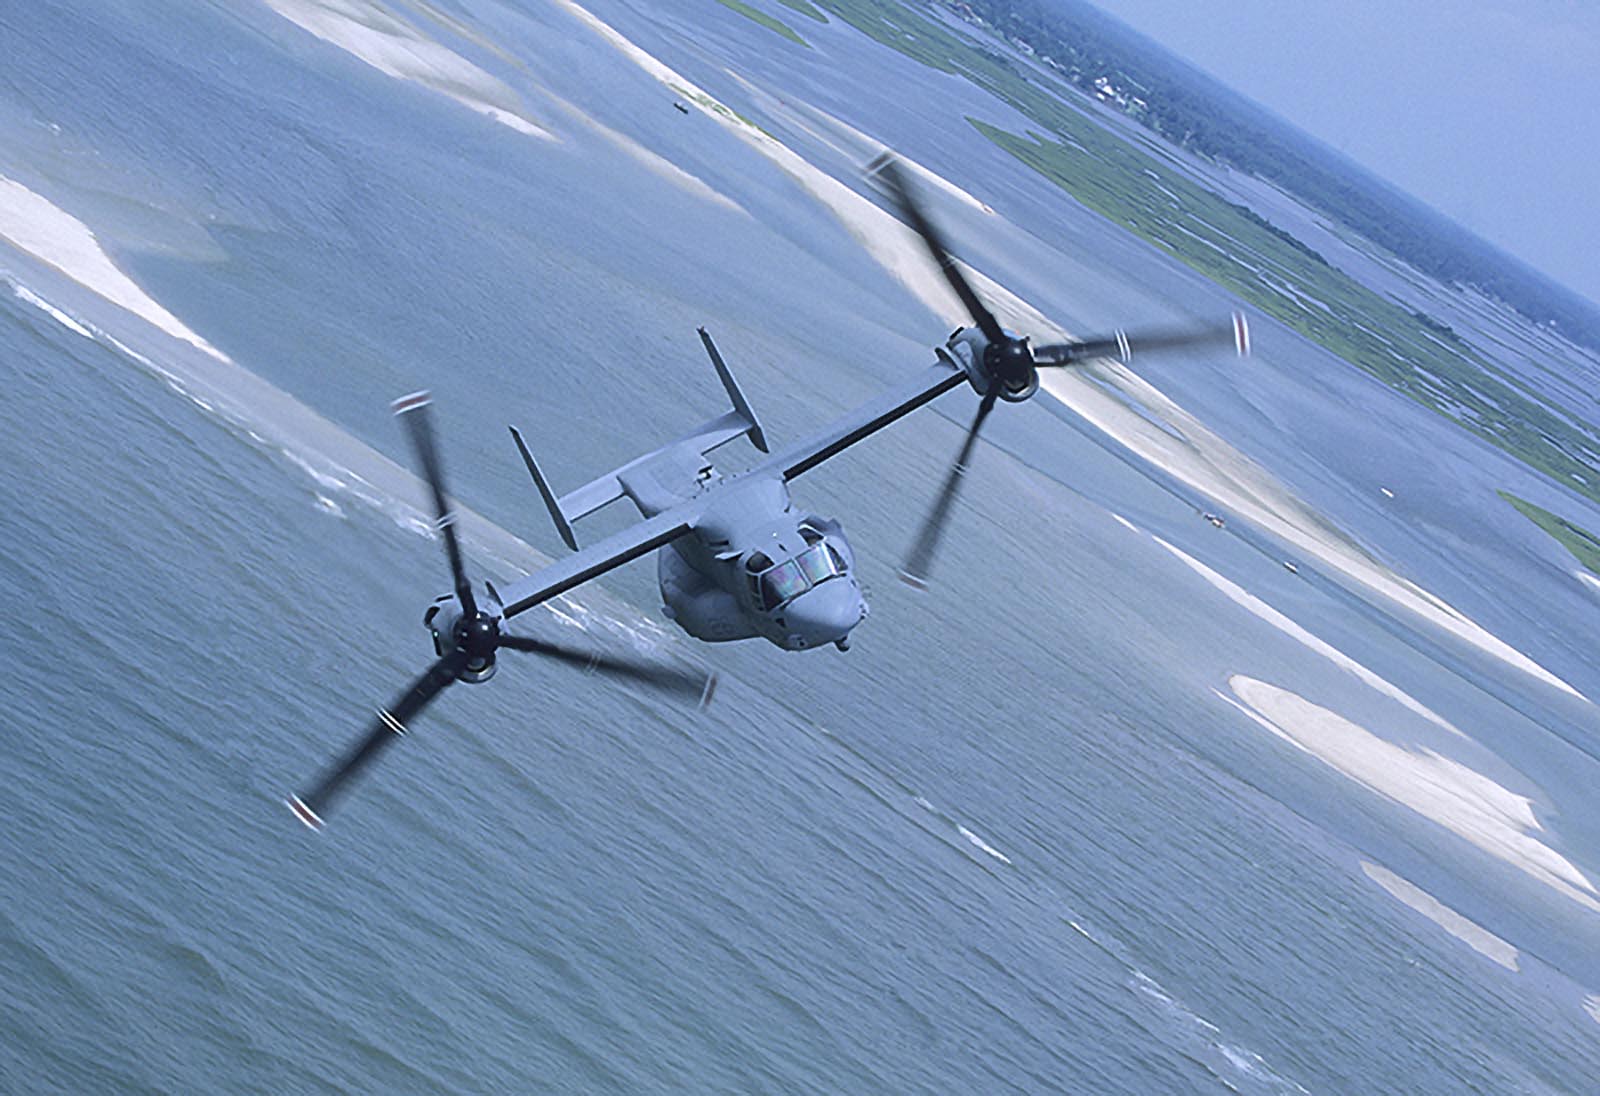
563,526
741,406
568,508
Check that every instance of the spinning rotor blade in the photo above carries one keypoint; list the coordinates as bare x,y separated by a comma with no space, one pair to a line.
691,684
390,724
413,411
1124,346
888,167
920,559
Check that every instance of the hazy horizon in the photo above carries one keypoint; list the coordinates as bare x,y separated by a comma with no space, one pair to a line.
1403,90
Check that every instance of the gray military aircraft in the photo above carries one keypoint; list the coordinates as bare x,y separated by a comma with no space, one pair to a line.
736,559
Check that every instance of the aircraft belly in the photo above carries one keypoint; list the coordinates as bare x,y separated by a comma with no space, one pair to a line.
697,604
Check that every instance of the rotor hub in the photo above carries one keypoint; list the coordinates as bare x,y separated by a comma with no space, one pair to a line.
477,635
1010,362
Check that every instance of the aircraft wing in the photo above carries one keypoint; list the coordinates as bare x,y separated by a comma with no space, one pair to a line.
669,525
864,421
598,558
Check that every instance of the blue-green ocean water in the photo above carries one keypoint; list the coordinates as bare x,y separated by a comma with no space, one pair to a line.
1010,842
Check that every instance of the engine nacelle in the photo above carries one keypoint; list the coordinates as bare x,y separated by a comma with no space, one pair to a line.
966,350
695,604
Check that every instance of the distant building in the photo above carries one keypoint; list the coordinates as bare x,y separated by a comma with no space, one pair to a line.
1107,92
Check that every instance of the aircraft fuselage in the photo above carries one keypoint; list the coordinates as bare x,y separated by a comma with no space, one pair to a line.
754,566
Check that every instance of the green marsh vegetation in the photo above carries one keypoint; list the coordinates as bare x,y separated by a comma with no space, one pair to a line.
1410,351
1580,542
770,22
805,8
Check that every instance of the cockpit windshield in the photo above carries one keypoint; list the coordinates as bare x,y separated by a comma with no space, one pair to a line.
781,583
820,563
793,577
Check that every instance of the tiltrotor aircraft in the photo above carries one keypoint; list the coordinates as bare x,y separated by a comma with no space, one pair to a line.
736,559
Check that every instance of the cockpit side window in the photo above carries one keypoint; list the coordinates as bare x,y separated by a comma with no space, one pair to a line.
756,563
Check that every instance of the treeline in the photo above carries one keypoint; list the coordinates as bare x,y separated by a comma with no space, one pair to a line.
1193,110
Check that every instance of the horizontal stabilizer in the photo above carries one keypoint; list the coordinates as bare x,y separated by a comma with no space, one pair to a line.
566,509
608,488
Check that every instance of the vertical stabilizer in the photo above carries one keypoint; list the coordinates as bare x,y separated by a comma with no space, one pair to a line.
563,526
740,404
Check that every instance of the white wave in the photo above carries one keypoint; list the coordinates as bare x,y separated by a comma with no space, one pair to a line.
653,67
267,416
645,632
1462,800
36,225
653,162
983,845
1472,934
1587,579
1167,435
1125,523
28,295
1252,1065
1143,983
126,349
571,620
1591,1005
369,31
847,141
1241,1060
225,409
1154,990
1207,463
510,118
891,243
1278,620
323,479
967,834
1245,1061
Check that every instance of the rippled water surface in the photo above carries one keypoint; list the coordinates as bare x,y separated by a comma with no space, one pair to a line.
1069,821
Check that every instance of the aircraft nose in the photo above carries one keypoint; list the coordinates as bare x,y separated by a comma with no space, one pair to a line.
824,614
